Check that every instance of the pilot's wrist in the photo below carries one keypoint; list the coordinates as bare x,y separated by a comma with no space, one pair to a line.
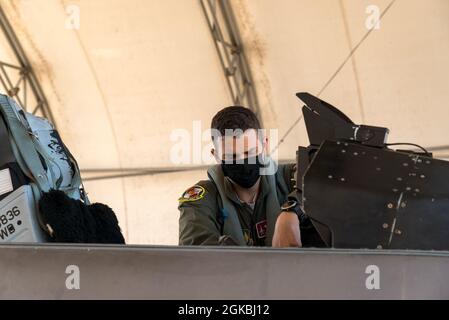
293,206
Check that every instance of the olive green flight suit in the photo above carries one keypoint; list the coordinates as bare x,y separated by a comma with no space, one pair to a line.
201,219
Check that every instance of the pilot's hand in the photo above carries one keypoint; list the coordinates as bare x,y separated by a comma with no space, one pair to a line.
286,231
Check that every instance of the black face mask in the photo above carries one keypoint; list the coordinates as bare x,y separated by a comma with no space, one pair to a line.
244,172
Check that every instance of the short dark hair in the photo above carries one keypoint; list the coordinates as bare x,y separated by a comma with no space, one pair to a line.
234,118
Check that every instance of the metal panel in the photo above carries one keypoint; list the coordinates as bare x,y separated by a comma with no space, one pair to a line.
113,272
378,197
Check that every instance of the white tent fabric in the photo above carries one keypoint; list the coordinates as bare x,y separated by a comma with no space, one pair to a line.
136,70
398,77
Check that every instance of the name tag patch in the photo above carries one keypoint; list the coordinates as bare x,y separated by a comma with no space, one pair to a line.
261,228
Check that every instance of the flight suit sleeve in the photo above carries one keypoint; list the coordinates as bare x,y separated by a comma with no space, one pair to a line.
289,171
198,223
284,176
312,234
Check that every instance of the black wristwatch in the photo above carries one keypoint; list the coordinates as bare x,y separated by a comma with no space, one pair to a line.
292,205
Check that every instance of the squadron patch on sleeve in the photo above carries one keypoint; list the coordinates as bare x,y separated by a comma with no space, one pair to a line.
193,194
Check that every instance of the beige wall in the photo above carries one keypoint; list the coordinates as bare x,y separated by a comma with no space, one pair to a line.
399,77
136,70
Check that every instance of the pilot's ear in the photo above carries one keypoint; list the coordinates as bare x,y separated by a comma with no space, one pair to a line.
214,154
266,144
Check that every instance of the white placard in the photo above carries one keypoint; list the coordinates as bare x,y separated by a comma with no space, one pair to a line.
5,181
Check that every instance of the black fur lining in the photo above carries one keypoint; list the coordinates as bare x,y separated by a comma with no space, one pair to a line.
72,221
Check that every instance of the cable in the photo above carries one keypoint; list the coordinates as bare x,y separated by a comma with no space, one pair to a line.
334,75
409,144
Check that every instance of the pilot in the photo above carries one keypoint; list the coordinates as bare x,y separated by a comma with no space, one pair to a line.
245,200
